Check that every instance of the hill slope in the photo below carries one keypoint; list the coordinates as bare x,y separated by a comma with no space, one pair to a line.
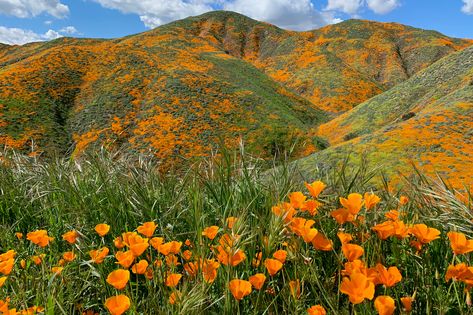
426,120
182,88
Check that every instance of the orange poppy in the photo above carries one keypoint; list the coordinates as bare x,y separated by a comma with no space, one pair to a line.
98,255
371,200
316,310
175,297
173,247
280,255
295,288
187,254
69,256
39,237
38,259
239,288
118,278
344,237
352,251
2,281
19,235
407,303
385,305
257,260
297,199
140,267
191,268
135,243
231,222
459,244
209,270
425,234
384,230
353,203
388,277
315,188
118,242
358,287
322,243
392,215
342,216
285,210
273,266
403,200
311,206
172,260
147,229
257,280
125,259
172,280
102,229
156,242
210,232
70,237
117,305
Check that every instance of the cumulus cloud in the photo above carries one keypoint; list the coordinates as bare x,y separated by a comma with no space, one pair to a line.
289,14
18,36
352,7
468,7
31,8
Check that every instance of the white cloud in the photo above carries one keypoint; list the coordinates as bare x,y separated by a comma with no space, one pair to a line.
382,6
345,6
290,14
18,36
30,8
468,7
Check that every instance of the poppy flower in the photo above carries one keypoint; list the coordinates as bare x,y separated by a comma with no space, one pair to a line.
118,278
384,230
371,200
39,237
191,268
315,188
342,216
352,203
117,305
70,237
280,255
257,280
407,303
6,266
297,199
322,243
352,251
8,255
257,260
425,234
273,266
136,243
403,200
172,279
388,277
459,244
102,229
57,270
2,281
210,232
285,210
4,305
156,242
209,270
173,247
69,256
174,297
125,259
172,260
232,257
231,222
344,237
118,242
311,206
147,229
316,310
187,254
358,288
98,255
140,267
392,215
38,259
239,288
385,305
19,235
295,288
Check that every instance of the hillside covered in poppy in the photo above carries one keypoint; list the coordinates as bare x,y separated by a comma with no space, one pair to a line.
184,88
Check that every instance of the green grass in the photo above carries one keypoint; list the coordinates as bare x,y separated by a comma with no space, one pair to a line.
63,194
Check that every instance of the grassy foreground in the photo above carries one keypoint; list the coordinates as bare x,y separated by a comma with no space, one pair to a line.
110,235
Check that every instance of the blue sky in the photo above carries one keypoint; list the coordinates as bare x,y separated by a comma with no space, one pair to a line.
23,21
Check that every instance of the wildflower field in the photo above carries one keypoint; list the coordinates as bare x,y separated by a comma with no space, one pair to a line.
111,236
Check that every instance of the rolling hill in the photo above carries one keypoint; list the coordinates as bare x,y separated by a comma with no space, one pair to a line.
426,120
183,88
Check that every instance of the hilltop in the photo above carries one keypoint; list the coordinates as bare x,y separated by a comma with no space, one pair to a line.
426,120
184,88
